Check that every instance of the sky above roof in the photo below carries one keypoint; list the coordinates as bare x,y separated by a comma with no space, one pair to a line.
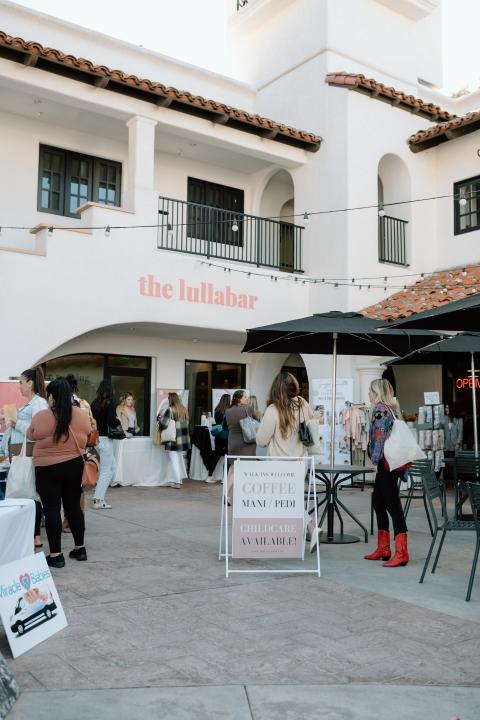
202,40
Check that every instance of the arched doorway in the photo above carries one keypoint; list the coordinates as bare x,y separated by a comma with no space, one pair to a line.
278,203
295,365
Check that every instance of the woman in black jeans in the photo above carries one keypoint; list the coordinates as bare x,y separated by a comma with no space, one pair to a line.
61,435
386,498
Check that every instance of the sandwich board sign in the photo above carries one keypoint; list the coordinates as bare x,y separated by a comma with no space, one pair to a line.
30,608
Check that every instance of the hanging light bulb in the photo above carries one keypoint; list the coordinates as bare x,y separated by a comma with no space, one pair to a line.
50,232
404,288
107,231
368,288
169,230
359,287
464,271
462,202
422,275
335,285
353,280
306,218
234,226
381,211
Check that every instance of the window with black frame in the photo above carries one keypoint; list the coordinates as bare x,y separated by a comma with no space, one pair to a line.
215,212
466,205
67,180
128,373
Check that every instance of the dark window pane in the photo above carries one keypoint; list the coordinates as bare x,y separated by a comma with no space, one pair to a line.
127,361
56,182
57,163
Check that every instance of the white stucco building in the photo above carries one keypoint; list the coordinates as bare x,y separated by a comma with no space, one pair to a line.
98,147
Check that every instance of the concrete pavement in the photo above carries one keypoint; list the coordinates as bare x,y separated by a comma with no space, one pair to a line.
154,623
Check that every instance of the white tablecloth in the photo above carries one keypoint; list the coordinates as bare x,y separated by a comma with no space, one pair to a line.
198,471
141,463
17,525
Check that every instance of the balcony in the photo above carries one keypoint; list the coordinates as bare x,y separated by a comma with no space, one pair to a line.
211,232
392,240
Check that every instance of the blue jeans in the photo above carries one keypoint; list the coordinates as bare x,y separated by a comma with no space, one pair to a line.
107,467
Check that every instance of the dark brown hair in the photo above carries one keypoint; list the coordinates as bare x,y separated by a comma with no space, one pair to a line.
38,380
237,396
223,404
284,395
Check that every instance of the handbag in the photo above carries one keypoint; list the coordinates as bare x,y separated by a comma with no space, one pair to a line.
115,433
249,427
169,434
91,466
21,477
93,438
304,431
220,431
400,447
156,436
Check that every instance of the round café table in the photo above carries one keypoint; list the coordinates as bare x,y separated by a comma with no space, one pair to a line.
333,477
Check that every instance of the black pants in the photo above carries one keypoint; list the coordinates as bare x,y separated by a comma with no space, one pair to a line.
38,516
57,484
386,500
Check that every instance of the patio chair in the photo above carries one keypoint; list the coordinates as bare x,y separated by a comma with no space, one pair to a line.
434,492
466,468
416,490
473,490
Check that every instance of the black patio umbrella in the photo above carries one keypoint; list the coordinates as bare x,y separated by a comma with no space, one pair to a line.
345,333
463,344
458,316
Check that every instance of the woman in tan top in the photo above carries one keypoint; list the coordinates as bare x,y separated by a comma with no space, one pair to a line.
61,435
279,430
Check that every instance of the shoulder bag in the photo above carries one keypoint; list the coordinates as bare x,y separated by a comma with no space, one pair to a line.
169,434
304,431
21,476
91,465
220,431
116,432
400,447
249,427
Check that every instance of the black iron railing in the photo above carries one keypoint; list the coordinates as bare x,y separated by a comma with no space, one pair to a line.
197,229
392,245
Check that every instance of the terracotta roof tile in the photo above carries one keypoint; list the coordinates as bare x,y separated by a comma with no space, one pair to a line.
369,86
34,54
444,131
428,293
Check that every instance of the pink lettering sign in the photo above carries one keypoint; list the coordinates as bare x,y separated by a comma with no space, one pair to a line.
204,293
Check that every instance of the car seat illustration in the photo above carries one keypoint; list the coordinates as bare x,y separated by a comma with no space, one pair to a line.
34,606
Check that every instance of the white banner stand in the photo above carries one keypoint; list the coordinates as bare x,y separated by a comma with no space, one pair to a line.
225,542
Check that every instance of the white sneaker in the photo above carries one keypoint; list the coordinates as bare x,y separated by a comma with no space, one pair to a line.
101,505
210,480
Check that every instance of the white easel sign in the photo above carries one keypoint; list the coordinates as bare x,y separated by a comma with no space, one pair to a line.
30,608
431,398
268,509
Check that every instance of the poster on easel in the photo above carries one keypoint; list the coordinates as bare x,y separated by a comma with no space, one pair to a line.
321,404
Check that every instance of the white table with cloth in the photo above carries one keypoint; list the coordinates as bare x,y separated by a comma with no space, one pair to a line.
141,463
17,526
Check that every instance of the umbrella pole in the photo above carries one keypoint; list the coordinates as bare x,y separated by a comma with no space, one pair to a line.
334,400
474,407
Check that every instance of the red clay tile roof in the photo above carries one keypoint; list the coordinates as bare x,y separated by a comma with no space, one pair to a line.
428,294
445,131
35,54
358,82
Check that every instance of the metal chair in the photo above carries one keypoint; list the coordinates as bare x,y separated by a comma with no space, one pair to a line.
466,468
434,492
473,490
418,470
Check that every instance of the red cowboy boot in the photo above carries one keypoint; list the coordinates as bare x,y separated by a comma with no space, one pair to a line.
383,551
401,552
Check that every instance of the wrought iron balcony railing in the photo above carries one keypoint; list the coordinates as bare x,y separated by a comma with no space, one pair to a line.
392,245
197,229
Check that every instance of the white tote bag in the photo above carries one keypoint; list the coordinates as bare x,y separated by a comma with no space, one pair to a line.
21,477
169,434
401,447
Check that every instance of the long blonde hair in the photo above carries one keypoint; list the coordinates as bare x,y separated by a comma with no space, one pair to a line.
179,411
382,391
284,395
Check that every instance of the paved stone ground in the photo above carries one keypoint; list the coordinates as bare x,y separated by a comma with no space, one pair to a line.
152,609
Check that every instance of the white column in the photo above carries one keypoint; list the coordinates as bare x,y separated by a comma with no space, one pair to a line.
141,164
366,374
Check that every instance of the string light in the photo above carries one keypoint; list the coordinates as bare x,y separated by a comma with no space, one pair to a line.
306,218
381,211
50,232
235,226
107,231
